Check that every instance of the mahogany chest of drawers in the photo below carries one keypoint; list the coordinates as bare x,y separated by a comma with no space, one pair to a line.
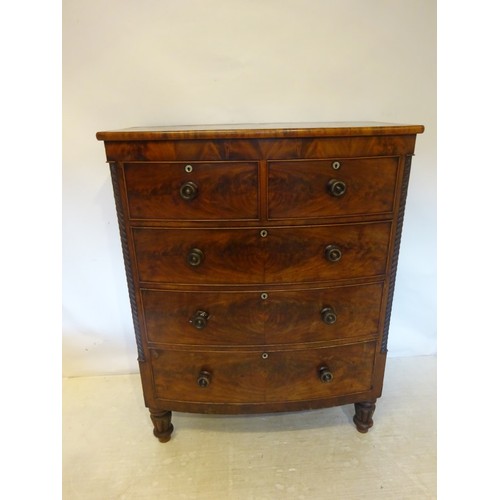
261,262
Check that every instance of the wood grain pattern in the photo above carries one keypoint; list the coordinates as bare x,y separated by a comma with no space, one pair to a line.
285,255
218,149
226,190
260,130
248,377
245,318
299,188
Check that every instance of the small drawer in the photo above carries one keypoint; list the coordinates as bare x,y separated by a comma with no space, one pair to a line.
192,190
251,255
212,318
259,376
328,188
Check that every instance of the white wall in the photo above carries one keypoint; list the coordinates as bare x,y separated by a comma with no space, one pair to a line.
157,62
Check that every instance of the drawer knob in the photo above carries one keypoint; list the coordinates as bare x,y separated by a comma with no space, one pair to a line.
328,315
325,375
336,188
195,257
333,253
199,320
204,379
189,191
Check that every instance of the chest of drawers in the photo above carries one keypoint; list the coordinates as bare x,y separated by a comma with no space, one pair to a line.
261,262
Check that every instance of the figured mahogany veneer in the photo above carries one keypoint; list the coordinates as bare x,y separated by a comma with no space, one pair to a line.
154,190
262,377
243,318
299,188
284,254
261,262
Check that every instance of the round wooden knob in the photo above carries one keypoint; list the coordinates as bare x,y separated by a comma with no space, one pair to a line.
199,320
195,257
333,253
336,188
328,315
325,375
203,380
189,191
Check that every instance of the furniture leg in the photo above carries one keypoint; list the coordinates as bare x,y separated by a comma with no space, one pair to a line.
163,427
363,417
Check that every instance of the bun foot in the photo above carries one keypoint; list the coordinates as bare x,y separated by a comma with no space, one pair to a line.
163,427
363,417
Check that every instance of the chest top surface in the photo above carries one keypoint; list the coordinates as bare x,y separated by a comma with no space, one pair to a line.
260,130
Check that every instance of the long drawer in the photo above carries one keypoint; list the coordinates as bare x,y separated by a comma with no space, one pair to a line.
252,255
255,318
257,376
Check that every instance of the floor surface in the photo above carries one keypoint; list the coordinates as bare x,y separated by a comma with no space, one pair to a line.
109,451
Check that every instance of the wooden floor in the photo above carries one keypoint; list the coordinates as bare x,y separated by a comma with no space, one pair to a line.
109,451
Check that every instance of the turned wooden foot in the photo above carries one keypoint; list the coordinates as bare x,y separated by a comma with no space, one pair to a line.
363,417
163,427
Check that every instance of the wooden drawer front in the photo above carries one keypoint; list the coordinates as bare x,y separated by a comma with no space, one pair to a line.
229,255
223,190
251,377
298,254
294,254
300,188
245,318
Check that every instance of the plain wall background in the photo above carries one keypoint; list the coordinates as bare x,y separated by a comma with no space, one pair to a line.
156,62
